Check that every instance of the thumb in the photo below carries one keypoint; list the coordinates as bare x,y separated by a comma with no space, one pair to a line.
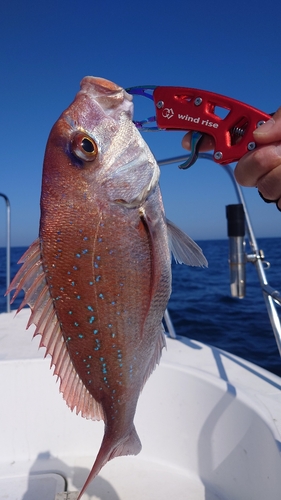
270,131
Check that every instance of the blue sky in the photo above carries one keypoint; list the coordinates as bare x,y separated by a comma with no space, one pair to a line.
232,48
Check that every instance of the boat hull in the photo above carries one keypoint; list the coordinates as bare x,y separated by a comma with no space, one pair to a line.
208,422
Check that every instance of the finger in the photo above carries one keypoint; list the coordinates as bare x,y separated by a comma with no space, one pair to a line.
270,131
257,163
270,184
206,144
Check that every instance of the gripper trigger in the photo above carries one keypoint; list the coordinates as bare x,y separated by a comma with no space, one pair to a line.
195,141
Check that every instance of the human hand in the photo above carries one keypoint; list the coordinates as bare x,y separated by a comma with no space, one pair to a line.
262,166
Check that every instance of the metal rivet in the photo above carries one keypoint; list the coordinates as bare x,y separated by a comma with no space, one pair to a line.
218,155
198,101
251,146
160,104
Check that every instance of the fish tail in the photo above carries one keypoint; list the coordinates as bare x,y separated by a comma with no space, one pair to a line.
130,445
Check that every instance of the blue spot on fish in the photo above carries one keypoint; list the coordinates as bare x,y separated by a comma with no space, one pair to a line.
98,278
76,324
78,255
80,336
90,308
95,332
101,296
92,319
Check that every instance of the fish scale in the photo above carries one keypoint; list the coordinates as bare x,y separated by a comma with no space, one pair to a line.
98,278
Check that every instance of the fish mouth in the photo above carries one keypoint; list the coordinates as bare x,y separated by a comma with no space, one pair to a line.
99,86
112,98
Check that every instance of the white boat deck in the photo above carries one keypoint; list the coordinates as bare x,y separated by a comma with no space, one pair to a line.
209,422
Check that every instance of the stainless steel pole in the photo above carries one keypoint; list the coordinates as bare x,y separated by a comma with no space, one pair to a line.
8,246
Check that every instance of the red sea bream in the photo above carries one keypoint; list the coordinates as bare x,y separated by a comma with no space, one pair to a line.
98,278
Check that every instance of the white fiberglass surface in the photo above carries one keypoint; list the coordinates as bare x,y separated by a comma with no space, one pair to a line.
203,437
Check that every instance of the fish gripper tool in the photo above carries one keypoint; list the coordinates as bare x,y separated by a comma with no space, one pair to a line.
231,123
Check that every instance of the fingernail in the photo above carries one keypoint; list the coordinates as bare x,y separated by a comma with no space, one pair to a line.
278,150
265,127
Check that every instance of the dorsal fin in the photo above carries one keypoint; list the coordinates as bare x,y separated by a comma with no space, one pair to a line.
183,248
31,278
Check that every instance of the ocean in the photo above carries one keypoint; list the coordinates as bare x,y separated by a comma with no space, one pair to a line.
201,307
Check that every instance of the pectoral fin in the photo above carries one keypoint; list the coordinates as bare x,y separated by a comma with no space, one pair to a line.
183,248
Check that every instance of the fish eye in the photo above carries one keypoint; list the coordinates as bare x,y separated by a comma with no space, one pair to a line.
84,147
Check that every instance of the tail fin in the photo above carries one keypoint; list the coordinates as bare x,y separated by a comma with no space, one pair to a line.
130,445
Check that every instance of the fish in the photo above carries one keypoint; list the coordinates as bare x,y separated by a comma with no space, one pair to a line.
98,277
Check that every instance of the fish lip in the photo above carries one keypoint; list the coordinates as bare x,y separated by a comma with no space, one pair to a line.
105,86
98,87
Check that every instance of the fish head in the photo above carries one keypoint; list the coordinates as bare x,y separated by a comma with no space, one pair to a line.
95,151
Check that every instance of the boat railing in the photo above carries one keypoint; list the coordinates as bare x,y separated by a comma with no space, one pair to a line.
270,295
8,246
